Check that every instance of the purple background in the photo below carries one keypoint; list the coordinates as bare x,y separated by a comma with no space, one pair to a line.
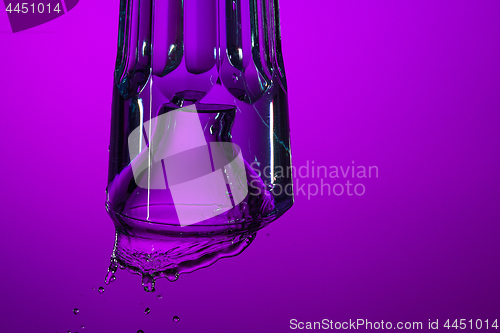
410,86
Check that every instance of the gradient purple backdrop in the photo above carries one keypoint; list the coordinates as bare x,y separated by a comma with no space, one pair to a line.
412,87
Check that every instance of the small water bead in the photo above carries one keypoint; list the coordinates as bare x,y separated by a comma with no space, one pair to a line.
82,327
110,277
148,283
176,319
159,296
140,331
76,311
101,290
172,276
147,311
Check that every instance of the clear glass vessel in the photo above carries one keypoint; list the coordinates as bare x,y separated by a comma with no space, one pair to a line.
200,139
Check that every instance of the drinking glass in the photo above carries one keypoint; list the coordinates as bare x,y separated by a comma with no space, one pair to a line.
198,83
200,139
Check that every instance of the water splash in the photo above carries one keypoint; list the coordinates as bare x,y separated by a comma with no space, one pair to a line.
154,256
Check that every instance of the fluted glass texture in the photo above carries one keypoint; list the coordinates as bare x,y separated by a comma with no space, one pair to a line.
196,80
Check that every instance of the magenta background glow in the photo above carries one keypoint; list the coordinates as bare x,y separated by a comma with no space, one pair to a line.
411,87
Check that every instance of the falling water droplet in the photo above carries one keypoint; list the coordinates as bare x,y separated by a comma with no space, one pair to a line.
109,278
76,311
147,311
113,267
101,290
159,296
172,275
176,319
148,283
